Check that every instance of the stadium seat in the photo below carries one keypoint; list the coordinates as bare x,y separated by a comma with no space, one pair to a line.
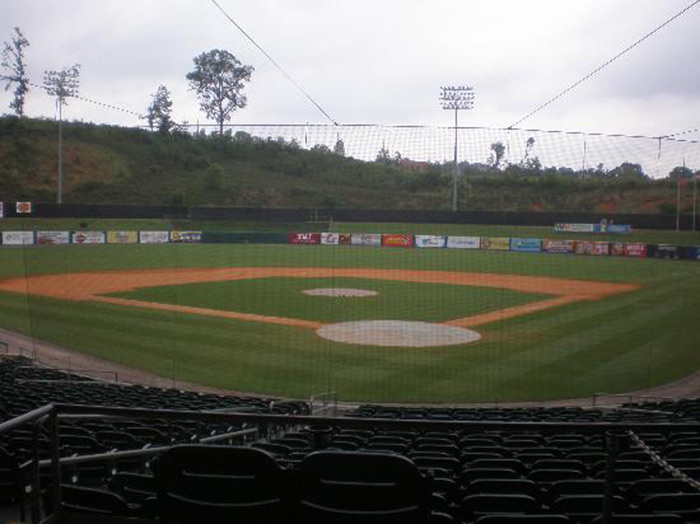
473,506
220,484
349,488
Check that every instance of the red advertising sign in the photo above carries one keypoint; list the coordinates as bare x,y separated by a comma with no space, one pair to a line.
305,238
395,240
636,250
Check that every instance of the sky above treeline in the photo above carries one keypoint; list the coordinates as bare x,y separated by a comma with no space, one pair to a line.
377,62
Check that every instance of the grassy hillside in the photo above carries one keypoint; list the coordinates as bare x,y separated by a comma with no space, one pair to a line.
112,165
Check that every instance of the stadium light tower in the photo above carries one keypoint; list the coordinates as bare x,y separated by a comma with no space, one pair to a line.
456,98
61,84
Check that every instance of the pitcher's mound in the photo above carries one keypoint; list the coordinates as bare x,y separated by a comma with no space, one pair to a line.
339,292
397,333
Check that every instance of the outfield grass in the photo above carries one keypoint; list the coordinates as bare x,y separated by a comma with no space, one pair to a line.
622,343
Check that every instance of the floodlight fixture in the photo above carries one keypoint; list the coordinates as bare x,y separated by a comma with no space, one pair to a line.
62,84
456,98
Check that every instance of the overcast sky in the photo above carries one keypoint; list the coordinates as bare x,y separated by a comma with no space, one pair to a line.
378,61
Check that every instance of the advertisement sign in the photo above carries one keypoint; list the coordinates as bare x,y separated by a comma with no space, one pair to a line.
692,253
88,237
2,210
304,238
619,229
558,246
154,237
330,239
574,228
185,237
122,237
636,250
463,242
397,240
667,251
495,243
365,239
23,207
345,239
429,241
617,249
592,248
628,250
526,245
52,237
17,238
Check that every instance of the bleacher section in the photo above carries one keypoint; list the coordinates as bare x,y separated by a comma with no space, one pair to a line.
379,464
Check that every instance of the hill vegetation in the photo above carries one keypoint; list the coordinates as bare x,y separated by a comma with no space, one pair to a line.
114,165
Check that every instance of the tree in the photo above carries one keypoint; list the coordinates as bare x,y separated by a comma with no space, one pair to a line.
339,148
680,173
218,79
159,110
498,151
628,171
529,162
14,70
383,156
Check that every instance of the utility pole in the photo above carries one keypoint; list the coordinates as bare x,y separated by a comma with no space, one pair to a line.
61,84
456,98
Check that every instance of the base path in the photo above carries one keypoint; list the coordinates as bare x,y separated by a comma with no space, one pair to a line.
92,286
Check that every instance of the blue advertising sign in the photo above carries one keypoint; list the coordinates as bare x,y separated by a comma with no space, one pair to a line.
527,245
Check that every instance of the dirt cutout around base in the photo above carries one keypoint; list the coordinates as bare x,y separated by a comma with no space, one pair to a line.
91,286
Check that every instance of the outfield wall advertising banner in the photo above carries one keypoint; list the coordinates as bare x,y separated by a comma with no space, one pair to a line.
558,246
17,238
154,237
122,237
330,239
526,245
366,239
52,237
463,242
692,253
430,241
397,240
345,239
23,208
574,228
495,243
617,229
88,237
185,237
628,250
305,238
592,248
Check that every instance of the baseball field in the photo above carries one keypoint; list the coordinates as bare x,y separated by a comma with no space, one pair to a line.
254,318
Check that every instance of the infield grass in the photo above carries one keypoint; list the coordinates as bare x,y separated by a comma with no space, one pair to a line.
621,343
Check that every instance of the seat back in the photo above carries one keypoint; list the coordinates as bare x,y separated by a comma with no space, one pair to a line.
219,483
339,487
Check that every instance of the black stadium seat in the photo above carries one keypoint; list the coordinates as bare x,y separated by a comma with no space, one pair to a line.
361,488
220,484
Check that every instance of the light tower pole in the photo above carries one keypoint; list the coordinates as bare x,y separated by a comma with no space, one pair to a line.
456,98
61,84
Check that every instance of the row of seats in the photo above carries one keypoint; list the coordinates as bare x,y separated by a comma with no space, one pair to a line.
230,484
661,414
